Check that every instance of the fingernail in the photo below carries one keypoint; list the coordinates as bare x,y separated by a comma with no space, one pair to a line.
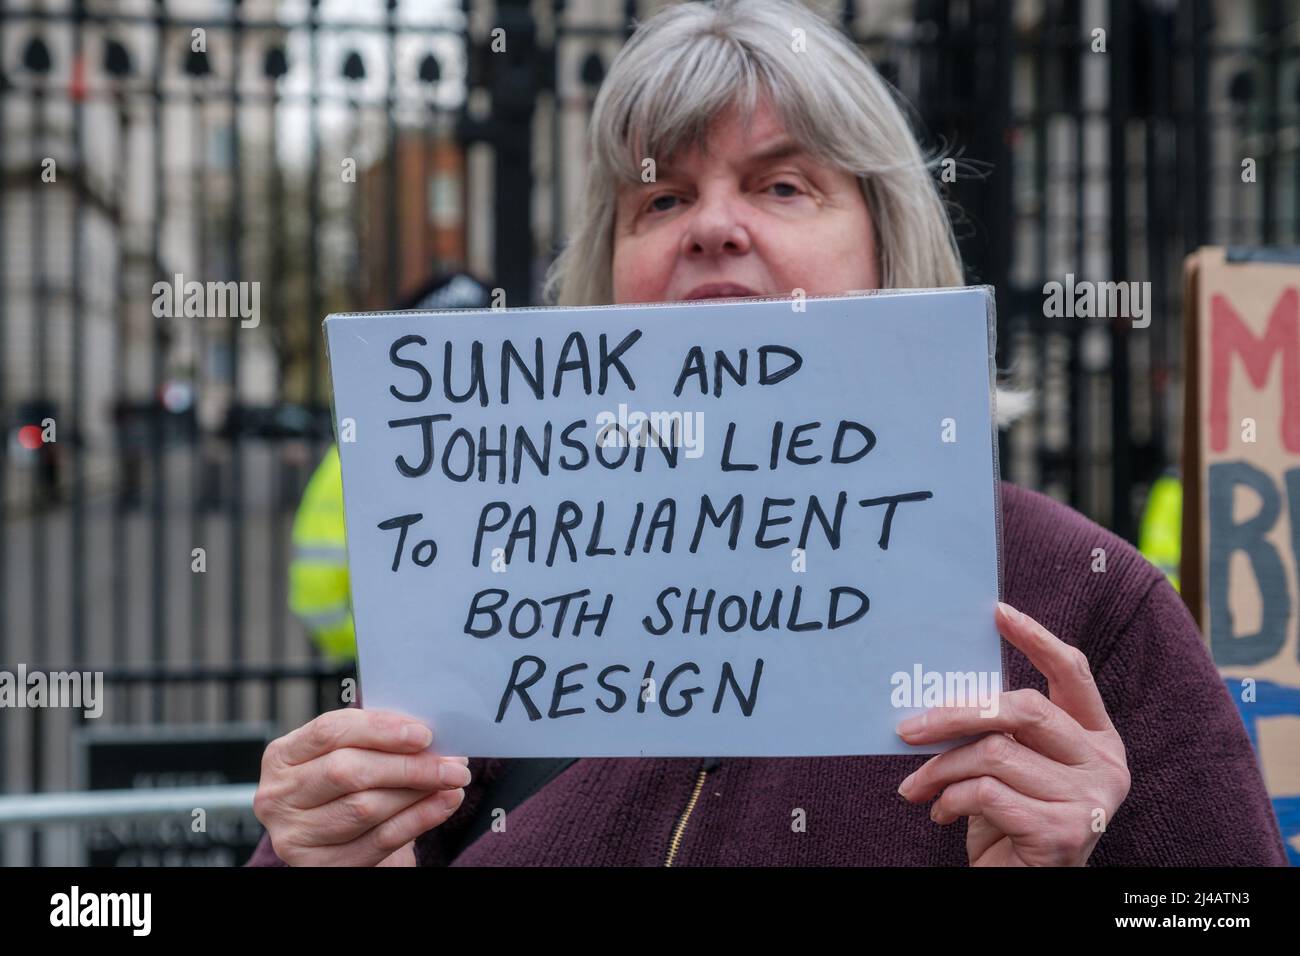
912,724
1009,612
455,774
417,734
907,782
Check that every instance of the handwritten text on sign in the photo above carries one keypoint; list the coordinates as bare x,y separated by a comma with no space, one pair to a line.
716,529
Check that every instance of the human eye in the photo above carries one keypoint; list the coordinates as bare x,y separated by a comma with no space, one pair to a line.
787,182
652,205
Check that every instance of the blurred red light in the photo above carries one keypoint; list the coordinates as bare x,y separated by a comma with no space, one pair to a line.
29,436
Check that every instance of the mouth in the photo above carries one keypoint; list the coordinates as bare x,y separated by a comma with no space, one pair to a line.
719,290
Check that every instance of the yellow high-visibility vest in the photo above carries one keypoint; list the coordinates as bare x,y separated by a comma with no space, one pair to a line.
1160,538
319,592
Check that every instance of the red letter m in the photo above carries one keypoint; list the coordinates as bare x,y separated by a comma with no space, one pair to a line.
1228,334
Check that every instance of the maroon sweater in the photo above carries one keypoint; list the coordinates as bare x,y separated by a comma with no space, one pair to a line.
1196,798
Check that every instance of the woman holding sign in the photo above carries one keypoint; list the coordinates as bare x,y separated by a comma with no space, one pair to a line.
782,163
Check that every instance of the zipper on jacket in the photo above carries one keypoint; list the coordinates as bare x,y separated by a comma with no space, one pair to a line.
710,763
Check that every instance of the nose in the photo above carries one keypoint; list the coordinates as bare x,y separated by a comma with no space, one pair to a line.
716,226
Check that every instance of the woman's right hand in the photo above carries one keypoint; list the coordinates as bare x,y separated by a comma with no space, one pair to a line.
355,788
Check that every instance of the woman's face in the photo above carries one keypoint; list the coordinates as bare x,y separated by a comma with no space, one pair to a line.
757,216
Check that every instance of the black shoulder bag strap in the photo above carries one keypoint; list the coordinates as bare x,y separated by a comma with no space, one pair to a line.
519,780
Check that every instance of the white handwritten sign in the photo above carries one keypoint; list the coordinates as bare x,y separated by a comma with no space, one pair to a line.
764,528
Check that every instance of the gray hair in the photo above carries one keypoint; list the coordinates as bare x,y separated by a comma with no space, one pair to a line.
688,63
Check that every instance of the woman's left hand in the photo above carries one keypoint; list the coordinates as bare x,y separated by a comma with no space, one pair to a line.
1039,789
